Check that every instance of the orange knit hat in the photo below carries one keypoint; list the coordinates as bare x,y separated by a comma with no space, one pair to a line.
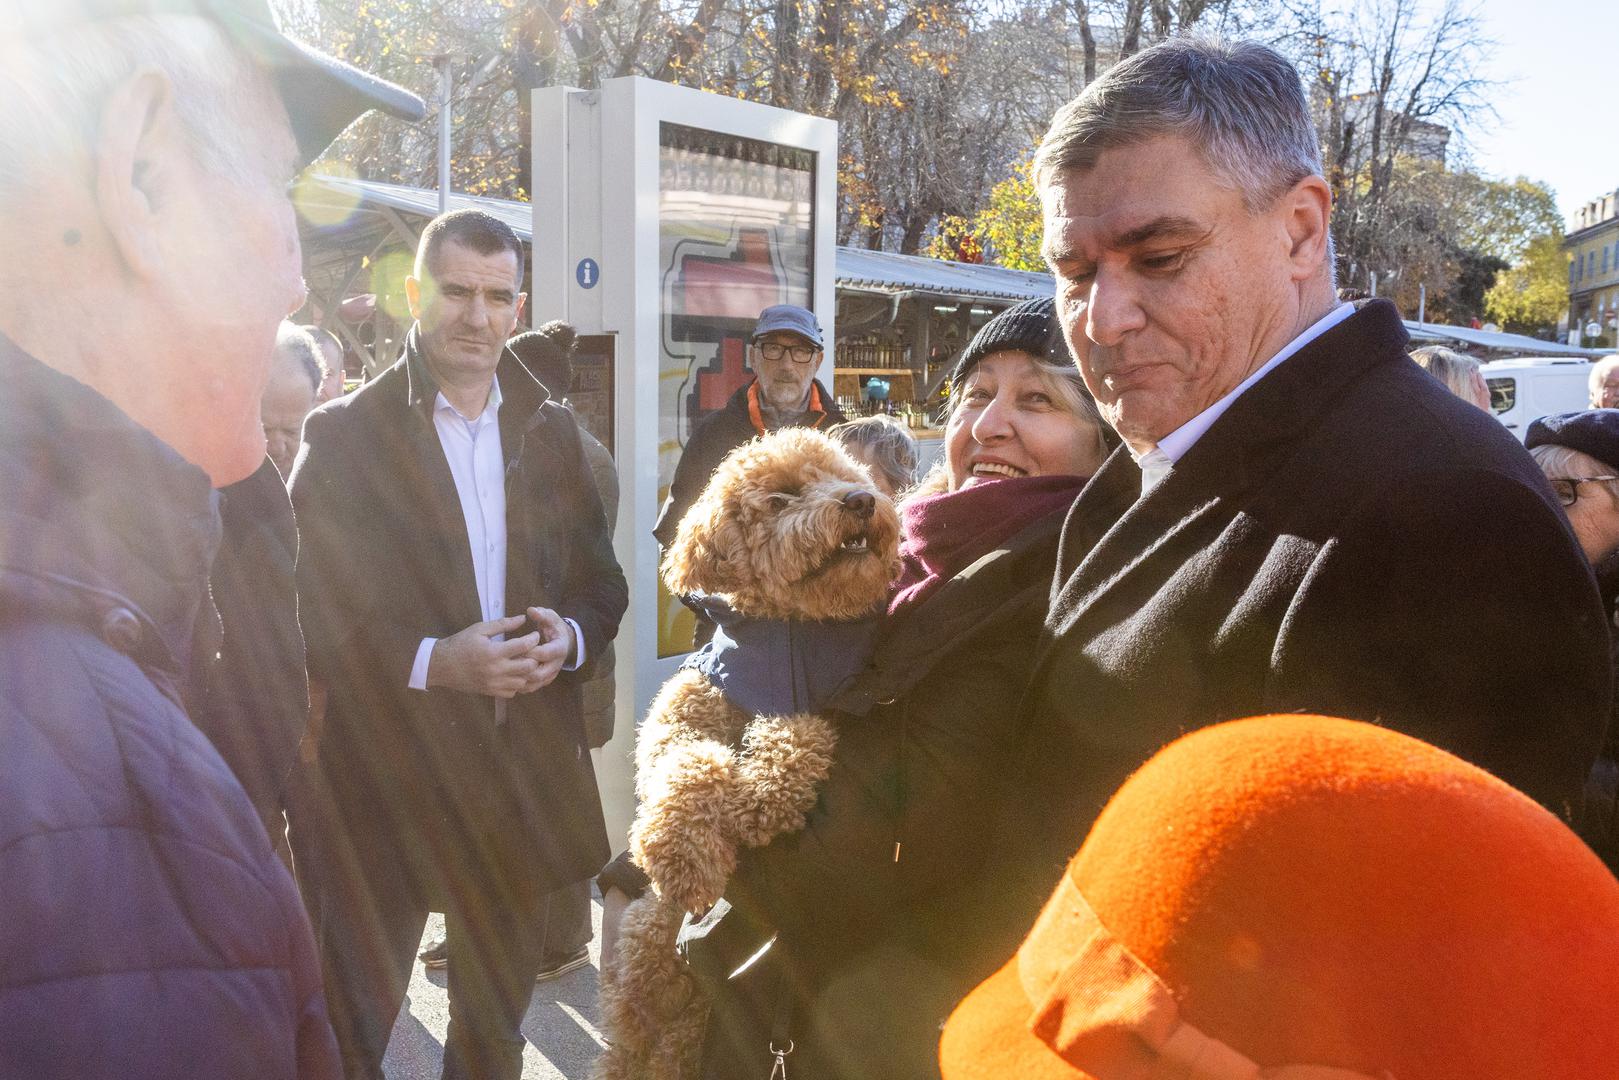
1303,898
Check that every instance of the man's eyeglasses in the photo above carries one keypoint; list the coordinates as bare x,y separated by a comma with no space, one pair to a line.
801,354
1568,487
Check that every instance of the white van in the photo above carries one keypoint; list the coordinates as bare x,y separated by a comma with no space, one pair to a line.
1525,389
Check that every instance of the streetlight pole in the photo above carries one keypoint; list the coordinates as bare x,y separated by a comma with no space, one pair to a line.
445,86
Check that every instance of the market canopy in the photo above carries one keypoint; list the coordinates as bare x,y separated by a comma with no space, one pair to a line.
1494,341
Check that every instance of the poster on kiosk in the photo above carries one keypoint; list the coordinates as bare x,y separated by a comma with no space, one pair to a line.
665,220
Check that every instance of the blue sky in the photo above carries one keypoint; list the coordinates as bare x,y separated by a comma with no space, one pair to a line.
1559,102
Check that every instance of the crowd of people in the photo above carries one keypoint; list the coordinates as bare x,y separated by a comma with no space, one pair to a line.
1302,652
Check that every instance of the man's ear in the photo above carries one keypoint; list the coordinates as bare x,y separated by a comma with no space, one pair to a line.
1307,217
135,152
522,300
413,296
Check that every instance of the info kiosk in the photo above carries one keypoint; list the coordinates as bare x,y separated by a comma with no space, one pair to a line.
665,219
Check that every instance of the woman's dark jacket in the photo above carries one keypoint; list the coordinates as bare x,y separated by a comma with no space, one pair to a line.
876,902
146,929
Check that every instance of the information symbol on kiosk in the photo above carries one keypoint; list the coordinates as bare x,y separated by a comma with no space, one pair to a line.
587,273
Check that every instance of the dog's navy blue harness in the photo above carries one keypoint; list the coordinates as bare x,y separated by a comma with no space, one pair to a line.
777,667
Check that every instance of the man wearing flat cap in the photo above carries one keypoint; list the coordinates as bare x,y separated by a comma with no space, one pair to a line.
784,352
146,147
1300,519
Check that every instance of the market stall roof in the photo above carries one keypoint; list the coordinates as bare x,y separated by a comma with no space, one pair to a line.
1495,341
882,271
347,205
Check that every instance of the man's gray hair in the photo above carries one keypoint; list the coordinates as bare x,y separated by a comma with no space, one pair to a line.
1239,103
297,350
1599,372
54,83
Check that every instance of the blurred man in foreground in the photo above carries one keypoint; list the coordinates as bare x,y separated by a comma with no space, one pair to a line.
144,163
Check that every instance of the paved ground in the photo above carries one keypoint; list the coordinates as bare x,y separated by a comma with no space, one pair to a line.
561,1025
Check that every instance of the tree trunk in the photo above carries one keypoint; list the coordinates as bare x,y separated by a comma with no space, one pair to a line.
1130,28
1082,15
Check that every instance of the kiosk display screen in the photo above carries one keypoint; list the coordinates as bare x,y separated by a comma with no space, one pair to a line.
735,235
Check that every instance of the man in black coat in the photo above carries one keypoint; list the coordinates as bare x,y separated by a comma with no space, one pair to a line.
455,579
785,350
1300,519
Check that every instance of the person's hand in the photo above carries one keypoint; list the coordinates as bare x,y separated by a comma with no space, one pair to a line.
474,662
555,646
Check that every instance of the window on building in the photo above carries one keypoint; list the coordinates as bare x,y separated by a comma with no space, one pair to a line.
1604,258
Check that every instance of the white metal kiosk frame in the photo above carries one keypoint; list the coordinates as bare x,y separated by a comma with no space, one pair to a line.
665,218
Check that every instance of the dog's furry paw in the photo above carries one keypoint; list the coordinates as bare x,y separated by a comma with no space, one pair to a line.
681,838
783,761
688,710
653,1013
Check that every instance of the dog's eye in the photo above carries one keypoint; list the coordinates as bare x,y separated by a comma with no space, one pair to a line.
782,498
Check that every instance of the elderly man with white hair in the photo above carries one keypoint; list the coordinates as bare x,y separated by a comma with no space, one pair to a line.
1604,382
1299,519
146,148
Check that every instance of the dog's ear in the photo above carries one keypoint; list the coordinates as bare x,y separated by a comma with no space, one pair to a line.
701,558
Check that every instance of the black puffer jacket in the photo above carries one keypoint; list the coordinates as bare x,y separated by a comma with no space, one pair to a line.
146,929
883,915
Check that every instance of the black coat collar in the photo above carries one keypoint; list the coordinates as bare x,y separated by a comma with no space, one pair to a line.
1111,530
519,388
1233,454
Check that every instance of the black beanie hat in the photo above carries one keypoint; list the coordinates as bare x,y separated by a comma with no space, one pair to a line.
1030,326
548,354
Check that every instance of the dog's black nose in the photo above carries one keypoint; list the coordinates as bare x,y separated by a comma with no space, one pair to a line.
862,504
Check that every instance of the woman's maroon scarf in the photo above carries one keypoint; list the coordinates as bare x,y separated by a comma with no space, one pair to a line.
941,535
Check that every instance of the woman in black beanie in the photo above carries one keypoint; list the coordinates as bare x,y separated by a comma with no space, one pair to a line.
879,909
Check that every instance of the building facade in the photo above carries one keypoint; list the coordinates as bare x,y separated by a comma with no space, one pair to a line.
1593,271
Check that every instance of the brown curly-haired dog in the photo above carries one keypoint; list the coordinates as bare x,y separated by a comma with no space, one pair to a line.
788,530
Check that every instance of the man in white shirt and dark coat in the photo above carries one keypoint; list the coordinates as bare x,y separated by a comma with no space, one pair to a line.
456,578
1300,519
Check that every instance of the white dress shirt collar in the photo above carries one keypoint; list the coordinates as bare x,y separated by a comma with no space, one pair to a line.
491,409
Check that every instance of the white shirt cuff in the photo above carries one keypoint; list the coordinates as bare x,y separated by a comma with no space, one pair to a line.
418,670
579,646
